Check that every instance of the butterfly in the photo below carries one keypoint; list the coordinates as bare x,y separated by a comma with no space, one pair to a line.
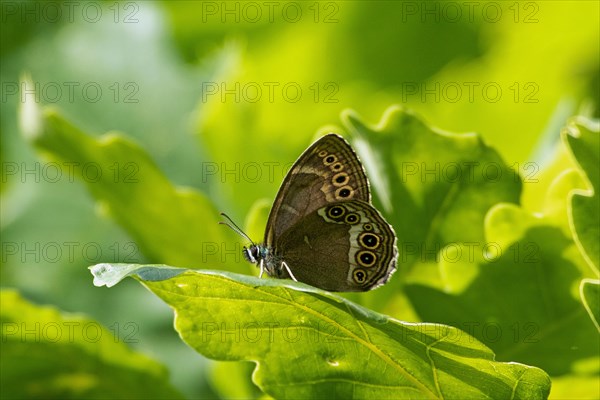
322,229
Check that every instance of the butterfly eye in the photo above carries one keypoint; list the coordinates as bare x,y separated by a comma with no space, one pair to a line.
340,179
337,167
351,218
344,192
366,258
369,240
330,159
322,153
359,275
336,212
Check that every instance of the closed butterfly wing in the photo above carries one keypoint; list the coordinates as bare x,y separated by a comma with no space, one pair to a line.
345,246
328,171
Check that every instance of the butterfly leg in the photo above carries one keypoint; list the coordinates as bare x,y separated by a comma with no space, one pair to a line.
288,270
262,268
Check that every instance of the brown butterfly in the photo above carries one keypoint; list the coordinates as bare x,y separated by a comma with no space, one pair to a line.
322,229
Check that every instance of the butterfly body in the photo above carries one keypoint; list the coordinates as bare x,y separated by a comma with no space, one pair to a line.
322,229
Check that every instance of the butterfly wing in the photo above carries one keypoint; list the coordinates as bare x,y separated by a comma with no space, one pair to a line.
328,171
344,246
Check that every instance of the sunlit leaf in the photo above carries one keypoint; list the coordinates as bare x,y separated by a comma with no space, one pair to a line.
590,295
522,299
521,302
583,139
309,343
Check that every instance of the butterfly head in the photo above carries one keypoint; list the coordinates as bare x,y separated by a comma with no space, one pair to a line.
254,253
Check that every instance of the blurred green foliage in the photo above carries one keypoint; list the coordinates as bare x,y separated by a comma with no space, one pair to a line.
70,356
161,67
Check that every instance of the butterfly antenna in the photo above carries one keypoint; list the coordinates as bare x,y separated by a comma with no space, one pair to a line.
234,227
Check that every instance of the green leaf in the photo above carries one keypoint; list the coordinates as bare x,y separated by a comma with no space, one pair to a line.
590,295
222,375
575,387
309,343
521,301
582,137
170,224
47,354
520,298
436,187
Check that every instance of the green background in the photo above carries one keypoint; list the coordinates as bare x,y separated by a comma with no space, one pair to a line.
514,72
